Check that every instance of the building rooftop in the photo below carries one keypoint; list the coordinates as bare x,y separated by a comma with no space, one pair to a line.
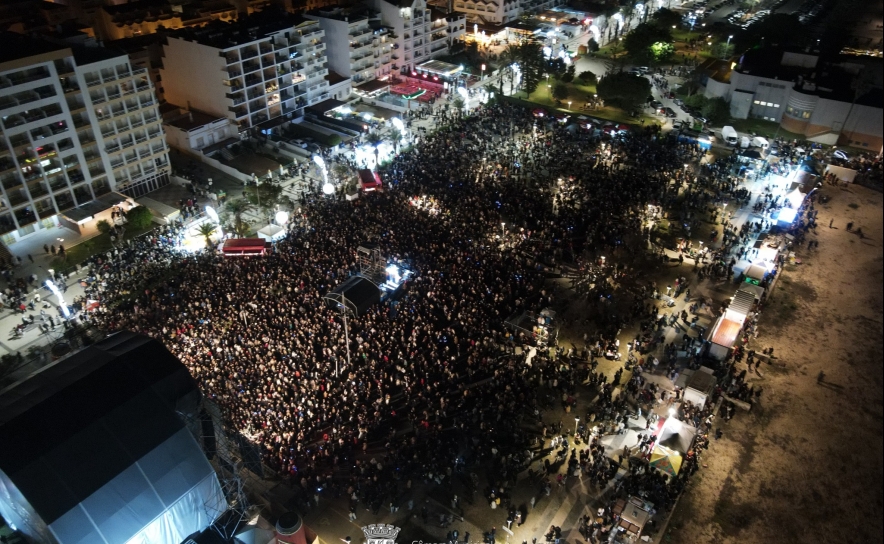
224,35
15,46
194,119
85,55
825,78
338,13
334,78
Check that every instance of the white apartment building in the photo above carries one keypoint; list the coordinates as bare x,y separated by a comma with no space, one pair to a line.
259,71
77,123
358,46
501,11
418,37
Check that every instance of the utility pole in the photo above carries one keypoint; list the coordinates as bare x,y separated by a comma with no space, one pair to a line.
346,334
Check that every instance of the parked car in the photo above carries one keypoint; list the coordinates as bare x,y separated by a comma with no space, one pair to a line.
678,102
300,143
669,112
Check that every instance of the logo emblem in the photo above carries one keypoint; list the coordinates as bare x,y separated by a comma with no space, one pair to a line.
380,533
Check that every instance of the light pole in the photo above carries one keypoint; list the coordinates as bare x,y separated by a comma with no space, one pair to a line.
483,73
502,230
569,104
344,310
727,46
576,425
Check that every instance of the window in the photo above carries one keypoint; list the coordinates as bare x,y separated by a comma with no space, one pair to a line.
776,105
756,102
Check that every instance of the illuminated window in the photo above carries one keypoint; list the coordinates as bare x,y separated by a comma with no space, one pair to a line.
757,102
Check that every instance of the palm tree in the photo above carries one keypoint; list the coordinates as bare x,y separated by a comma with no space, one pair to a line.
242,229
374,140
458,105
508,57
238,207
206,230
395,136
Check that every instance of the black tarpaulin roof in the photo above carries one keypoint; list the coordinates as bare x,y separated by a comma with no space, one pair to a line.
73,426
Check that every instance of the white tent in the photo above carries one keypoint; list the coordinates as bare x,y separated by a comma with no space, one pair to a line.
94,451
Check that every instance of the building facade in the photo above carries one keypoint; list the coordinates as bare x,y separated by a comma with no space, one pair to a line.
823,103
358,46
500,11
418,37
76,124
261,69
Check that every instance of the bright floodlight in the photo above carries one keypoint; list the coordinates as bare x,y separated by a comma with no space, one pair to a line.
61,304
319,161
282,217
213,215
547,52
787,215
393,271
366,116
462,91
672,412
398,123
328,188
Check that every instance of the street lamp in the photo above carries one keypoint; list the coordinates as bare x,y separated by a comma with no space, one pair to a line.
569,104
483,73
727,46
576,425
503,229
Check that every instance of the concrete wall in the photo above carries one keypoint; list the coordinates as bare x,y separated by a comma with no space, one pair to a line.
741,104
337,43
717,89
186,62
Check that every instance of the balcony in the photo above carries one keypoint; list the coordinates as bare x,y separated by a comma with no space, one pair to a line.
17,197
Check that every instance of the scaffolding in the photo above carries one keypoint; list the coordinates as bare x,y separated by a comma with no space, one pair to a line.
372,264
234,460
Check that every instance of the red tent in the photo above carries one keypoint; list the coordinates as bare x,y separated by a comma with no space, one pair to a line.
238,247
369,180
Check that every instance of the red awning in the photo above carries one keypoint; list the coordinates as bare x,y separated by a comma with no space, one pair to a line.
245,246
369,180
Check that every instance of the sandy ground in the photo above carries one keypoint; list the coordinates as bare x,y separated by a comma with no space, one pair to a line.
806,464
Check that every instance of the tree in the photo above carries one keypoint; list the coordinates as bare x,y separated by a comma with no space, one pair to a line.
237,207
139,217
696,101
624,90
242,229
649,42
342,172
556,67
508,57
103,226
458,105
666,18
717,111
374,140
559,92
264,195
592,46
396,137
588,78
568,76
206,230
531,64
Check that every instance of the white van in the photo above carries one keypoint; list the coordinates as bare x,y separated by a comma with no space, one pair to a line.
744,142
758,141
729,135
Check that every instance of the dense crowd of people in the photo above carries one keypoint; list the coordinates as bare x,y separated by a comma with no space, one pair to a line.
431,374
